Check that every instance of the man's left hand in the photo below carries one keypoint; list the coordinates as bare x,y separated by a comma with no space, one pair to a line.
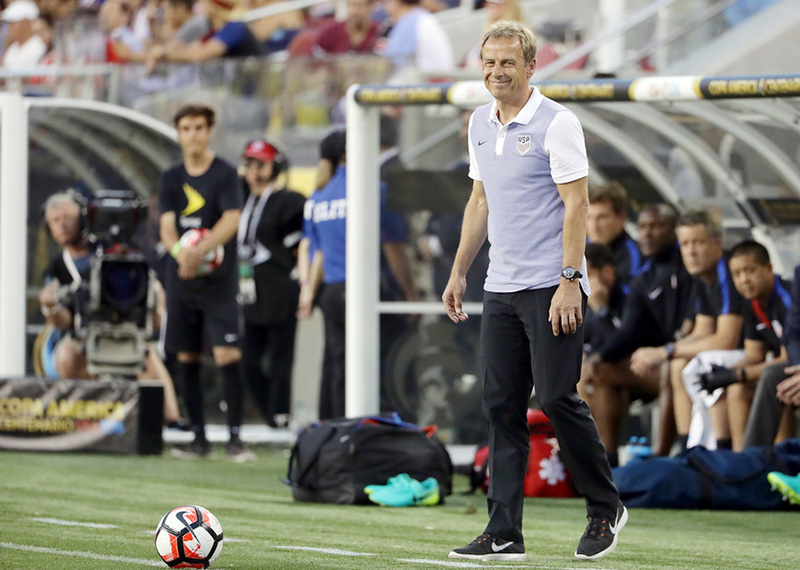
647,359
565,308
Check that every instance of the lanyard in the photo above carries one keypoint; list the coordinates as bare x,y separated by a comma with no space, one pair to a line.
71,267
251,215
760,314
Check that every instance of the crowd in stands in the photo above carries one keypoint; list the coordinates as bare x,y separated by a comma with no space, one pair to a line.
149,31
42,32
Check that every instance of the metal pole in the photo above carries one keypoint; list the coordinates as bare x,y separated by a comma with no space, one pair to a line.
362,370
13,233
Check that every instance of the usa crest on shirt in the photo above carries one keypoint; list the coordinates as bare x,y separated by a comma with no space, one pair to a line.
523,143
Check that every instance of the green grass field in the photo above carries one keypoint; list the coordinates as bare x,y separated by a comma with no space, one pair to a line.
42,496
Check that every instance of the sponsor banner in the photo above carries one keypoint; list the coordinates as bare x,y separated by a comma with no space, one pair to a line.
88,415
594,90
676,88
681,88
469,94
739,87
410,95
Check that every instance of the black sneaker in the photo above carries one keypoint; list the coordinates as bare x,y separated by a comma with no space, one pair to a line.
238,452
197,449
490,547
600,536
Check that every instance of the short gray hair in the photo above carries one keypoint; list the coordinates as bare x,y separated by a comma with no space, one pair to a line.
58,199
702,218
510,29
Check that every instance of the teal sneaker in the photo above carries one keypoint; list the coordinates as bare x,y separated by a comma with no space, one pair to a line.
788,486
403,491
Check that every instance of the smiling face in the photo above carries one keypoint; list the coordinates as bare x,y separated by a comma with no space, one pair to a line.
752,279
505,72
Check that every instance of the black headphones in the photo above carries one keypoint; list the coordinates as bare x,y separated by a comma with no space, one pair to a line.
280,163
77,198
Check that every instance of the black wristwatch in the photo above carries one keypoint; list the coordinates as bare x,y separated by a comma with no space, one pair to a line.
570,273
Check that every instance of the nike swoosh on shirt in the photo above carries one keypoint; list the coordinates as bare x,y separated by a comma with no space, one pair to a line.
231,337
498,547
481,142
653,295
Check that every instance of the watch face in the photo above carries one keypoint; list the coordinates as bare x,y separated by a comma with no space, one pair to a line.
569,273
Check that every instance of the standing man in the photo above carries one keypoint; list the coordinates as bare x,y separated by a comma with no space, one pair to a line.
529,195
270,228
327,228
203,192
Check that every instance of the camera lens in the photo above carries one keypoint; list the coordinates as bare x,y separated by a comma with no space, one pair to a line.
124,285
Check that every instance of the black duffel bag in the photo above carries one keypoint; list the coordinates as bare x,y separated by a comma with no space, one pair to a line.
332,461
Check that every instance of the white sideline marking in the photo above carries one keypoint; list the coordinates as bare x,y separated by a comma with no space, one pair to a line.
73,523
80,554
448,563
325,550
493,565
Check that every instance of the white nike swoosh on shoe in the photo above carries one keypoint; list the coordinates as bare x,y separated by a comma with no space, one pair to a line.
620,522
498,547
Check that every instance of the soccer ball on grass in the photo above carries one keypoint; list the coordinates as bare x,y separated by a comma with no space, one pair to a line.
189,537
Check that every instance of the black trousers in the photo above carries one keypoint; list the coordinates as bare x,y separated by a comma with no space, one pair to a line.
267,356
331,393
765,413
519,352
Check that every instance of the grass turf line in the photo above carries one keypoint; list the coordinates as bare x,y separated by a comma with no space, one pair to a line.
255,508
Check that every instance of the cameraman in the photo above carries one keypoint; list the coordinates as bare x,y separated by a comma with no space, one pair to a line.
63,214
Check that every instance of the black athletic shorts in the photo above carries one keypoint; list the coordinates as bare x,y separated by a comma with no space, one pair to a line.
189,314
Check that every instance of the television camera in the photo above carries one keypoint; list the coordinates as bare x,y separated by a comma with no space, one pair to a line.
114,308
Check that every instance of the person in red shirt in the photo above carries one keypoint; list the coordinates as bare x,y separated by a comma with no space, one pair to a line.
357,33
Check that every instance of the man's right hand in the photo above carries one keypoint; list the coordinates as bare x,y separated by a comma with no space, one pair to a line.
305,304
452,296
189,259
788,391
47,295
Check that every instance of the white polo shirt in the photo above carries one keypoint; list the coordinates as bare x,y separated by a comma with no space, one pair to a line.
520,164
